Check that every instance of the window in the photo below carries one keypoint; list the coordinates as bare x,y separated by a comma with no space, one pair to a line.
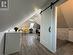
3,3
31,25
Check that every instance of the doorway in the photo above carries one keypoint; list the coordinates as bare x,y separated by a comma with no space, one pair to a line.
64,26
62,29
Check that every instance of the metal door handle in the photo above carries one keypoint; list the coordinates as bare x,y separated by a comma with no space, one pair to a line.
49,29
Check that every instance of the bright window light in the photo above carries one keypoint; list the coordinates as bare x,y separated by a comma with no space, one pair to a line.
31,25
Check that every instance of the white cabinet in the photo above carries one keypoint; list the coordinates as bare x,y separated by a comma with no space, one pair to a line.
12,43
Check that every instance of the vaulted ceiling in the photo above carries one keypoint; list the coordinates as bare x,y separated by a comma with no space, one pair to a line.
65,15
18,11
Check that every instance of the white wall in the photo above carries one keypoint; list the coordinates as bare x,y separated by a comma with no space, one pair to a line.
1,42
63,33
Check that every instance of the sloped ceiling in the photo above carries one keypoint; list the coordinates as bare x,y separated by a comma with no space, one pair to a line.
18,10
37,18
61,22
67,11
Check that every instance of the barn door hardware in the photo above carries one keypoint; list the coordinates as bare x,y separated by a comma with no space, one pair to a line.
50,6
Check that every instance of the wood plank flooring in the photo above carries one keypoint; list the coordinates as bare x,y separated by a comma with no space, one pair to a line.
61,43
31,46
